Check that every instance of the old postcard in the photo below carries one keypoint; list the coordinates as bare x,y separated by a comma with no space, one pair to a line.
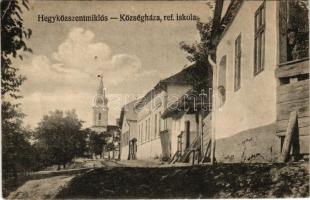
154,99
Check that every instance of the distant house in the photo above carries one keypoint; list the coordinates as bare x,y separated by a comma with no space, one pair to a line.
112,149
260,76
129,131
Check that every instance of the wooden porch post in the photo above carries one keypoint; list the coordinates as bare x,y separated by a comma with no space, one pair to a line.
288,136
201,133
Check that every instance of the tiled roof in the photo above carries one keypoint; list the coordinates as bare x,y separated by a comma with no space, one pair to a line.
185,76
129,111
190,102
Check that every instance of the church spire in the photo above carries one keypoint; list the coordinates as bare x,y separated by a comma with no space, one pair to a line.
100,109
101,88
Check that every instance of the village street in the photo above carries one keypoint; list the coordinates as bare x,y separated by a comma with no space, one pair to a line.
149,179
155,100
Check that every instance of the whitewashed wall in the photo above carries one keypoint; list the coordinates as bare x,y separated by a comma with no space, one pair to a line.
151,148
253,105
178,125
124,147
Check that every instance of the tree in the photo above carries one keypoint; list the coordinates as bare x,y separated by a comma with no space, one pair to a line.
15,147
17,152
96,143
60,137
13,34
198,52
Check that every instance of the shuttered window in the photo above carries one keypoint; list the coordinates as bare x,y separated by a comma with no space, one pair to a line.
237,63
259,51
145,138
149,129
155,120
159,122
140,135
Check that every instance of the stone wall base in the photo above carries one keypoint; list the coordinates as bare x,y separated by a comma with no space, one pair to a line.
258,145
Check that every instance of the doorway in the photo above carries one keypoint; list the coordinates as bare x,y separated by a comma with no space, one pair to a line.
187,134
132,149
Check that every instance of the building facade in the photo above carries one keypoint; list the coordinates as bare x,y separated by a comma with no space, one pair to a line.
154,138
156,135
129,132
246,102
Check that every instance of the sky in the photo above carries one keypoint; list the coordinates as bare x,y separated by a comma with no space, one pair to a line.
132,56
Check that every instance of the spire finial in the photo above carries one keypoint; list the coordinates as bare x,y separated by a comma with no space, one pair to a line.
100,76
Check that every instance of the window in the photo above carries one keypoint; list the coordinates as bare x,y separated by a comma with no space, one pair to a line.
259,49
99,116
128,138
222,81
238,63
149,130
293,30
145,138
140,132
159,122
155,132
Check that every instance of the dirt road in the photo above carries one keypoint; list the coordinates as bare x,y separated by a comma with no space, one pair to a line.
41,189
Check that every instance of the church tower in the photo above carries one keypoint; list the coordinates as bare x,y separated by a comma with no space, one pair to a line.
100,109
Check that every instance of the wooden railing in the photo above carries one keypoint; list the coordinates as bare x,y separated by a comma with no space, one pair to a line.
194,146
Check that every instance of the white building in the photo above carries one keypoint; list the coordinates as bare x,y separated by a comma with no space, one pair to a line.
249,51
129,132
156,136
